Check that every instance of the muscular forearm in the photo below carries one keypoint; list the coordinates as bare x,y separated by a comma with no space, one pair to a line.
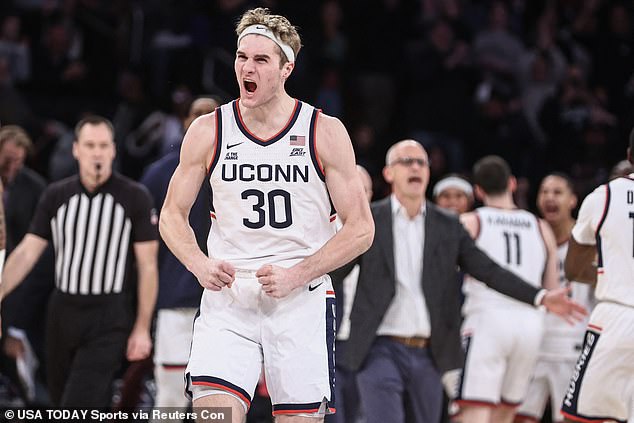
344,247
180,239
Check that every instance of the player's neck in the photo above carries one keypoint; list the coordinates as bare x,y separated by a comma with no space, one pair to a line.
562,229
277,111
502,201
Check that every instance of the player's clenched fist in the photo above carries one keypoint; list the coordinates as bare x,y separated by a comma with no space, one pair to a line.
215,274
276,281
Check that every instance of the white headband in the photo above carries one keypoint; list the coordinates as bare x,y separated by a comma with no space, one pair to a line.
453,182
263,30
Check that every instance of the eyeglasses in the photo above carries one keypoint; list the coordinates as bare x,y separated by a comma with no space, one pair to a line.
408,161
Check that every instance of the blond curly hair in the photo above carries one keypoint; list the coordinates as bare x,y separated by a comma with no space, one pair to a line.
280,26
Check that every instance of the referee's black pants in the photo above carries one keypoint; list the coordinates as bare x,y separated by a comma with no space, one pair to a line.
86,338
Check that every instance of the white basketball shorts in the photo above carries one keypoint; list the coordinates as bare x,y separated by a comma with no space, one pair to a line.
239,329
550,381
173,338
501,351
602,383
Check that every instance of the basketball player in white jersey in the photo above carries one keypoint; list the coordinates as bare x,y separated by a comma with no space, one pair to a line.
278,169
562,342
601,251
502,335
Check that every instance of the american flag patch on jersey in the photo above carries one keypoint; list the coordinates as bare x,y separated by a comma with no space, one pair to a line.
298,140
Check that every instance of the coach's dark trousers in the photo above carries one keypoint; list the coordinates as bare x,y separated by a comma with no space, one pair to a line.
86,340
394,374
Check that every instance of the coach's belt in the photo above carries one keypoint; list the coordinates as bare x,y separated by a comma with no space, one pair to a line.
411,341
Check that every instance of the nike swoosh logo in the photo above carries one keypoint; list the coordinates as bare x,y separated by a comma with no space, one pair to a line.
234,145
312,288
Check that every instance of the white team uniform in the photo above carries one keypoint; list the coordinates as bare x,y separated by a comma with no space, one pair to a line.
270,206
558,353
171,351
502,335
602,383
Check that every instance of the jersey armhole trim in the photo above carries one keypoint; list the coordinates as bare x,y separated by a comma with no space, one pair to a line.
605,209
312,141
541,234
597,234
218,146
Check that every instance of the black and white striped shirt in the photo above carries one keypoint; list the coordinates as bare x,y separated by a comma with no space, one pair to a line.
93,233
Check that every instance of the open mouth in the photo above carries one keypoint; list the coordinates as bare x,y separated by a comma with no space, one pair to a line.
415,179
250,86
549,208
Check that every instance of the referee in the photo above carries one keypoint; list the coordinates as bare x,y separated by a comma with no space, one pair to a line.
96,220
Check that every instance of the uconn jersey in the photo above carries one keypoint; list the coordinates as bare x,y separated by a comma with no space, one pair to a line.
561,339
606,218
270,203
512,238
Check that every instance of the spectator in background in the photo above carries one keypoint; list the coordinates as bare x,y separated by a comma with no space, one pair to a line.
179,291
14,46
567,118
96,220
496,49
502,129
622,168
24,310
561,342
133,109
14,107
453,192
540,71
59,82
442,82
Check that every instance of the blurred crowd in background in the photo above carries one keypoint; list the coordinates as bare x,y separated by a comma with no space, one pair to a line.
548,85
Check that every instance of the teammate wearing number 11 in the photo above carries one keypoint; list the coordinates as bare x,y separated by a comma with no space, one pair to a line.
502,335
278,170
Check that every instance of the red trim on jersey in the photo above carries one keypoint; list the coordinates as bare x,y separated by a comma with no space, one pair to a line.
527,417
504,403
333,217
308,410
462,402
290,120
600,271
330,292
212,214
581,419
213,153
595,327
224,388
605,209
321,166
174,366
